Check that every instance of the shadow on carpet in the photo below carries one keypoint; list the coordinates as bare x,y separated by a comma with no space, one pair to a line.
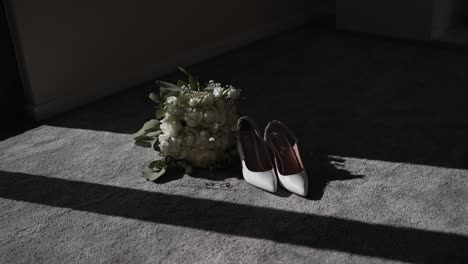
310,230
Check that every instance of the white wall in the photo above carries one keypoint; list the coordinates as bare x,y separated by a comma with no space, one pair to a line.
395,18
465,10
415,19
446,13
73,52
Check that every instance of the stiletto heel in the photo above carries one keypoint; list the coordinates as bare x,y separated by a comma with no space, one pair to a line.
289,166
257,167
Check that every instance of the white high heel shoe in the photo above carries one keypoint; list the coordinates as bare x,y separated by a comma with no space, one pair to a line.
289,166
257,167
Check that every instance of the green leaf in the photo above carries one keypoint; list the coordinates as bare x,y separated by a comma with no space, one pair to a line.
166,92
167,85
154,133
152,129
171,93
140,133
167,89
181,83
160,113
193,82
184,71
153,164
154,97
153,123
157,164
153,175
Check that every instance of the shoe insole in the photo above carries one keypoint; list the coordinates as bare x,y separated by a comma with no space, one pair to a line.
255,152
289,159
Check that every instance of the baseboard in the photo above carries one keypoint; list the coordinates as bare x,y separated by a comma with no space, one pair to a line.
187,58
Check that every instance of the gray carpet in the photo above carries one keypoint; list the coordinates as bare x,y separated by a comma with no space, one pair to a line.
383,130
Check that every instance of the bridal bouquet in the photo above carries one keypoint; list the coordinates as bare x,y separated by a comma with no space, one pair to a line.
194,125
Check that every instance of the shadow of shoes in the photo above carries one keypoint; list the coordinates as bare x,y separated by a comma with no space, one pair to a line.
322,169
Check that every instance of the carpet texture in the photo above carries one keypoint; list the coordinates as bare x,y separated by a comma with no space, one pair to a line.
383,133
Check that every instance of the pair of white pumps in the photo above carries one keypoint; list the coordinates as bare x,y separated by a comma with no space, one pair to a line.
257,166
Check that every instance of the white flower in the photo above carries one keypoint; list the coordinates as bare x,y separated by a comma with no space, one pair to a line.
189,139
190,136
164,146
221,108
193,102
210,116
182,99
163,138
232,93
183,154
174,149
203,139
218,91
202,158
215,127
171,147
172,110
177,140
208,99
193,117
170,126
172,100
197,127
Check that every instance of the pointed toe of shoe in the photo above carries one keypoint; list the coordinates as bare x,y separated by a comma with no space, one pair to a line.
296,183
265,180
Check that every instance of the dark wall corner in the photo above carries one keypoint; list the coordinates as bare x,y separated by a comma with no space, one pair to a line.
13,113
